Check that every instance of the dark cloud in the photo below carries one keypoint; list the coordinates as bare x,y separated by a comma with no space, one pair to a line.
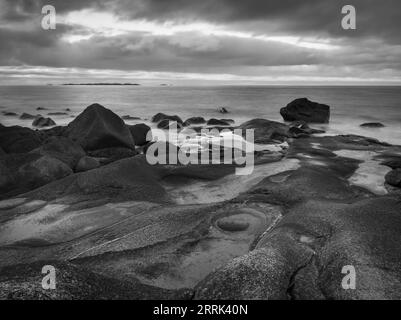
374,48
374,18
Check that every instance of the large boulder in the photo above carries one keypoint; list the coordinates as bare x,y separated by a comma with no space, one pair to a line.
41,122
18,139
394,178
97,128
43,170
62,149
266,131
23,172
372,125
169,125
139,132
161,116
194,120
217,122
306,110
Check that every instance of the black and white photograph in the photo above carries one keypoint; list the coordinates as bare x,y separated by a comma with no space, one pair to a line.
216,151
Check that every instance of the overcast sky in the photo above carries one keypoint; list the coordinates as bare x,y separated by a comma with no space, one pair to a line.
201,41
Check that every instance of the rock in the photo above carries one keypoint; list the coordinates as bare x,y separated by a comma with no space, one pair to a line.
223,110
27,116
169,125
112,154
62,149
139,132
41,108
372,125
266,131
161,116
97,128
57,113
394,178
303,256
228,120
7,177
43,170
18,139
29,171
57,131
263,274
194,120
217,122
87,163
9,114
306,110
299,124
67,109
43,122
128,179
20,282
298,133
128,117
299,129
393,163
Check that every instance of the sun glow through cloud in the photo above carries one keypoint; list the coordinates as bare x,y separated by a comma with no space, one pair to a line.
108,25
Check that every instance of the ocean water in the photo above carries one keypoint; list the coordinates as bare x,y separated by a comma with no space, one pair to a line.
350,106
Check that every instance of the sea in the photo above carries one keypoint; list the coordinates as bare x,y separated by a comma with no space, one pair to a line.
350,106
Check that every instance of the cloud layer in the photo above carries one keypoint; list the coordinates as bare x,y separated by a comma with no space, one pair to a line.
228,40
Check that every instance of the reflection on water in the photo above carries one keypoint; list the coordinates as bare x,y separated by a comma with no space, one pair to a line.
228,187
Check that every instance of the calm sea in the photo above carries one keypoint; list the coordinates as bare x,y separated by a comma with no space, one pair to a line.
350,106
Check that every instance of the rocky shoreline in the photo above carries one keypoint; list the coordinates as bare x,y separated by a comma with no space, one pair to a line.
84,199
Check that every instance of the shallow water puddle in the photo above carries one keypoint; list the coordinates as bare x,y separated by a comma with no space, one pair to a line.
370,174
228,187
216,249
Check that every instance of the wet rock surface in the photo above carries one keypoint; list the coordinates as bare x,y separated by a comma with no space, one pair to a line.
131,230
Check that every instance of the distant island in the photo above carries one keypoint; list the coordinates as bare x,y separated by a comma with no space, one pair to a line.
101,84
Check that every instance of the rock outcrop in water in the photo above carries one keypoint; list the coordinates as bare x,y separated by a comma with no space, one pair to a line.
372,125
161,116
217,122
42,122
306,110
194,120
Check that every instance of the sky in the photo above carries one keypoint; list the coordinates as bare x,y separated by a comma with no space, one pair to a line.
201,42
